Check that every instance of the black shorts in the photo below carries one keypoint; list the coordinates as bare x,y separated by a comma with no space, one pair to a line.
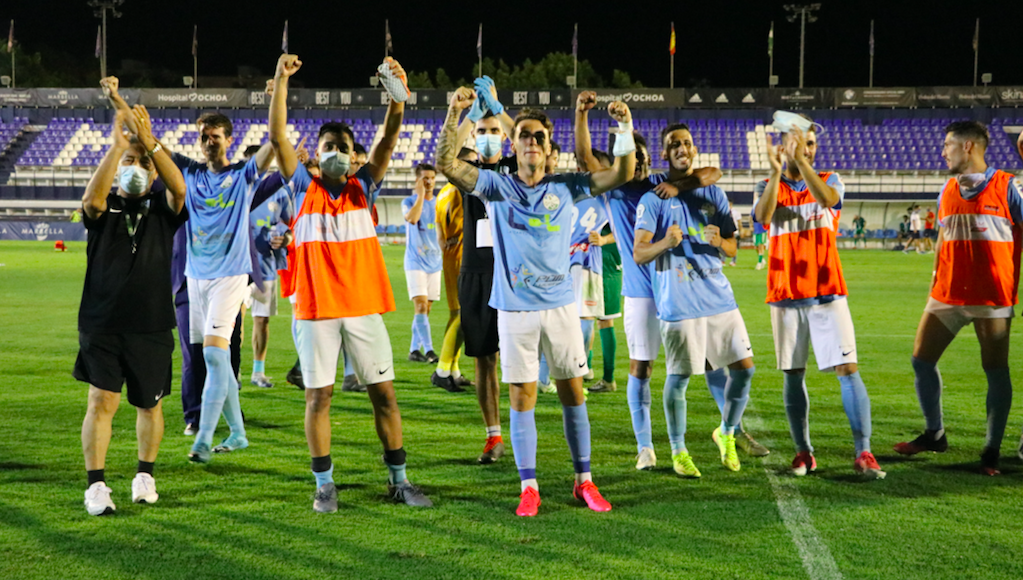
914,235
143,361
931,234
479,320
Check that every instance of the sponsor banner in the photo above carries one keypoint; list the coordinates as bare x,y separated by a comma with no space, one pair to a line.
789,99
1009,96
42,231
728,98
956,96
637,98
876,97
198,98
17,97
61,97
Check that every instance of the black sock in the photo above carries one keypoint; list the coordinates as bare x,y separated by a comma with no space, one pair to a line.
321,464
95,475
146,466
394,456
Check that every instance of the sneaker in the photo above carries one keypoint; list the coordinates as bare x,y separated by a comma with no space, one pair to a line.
726,446
683,464
803,463
589,493
408,494
294,376
143,489
325,499
760,266
232,443
925,442
417,356
351,385
200,453
97,500
547,388
750,446
447,383
529,503
492,451
191,429
989,462
867,465
603,386
463,382
589,376
431,357
262,381
646,459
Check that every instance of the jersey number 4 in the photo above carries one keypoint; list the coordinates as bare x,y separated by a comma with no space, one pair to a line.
589,220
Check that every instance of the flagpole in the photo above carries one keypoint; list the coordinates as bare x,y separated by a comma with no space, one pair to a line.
871,84
575,58
387,31
10,48
195,56
976,50
672,75
770,54
479,52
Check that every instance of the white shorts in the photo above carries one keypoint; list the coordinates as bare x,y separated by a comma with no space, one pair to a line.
956,317
720,340
213,306
263,304
556,332
422,284
589,291
364,338
642,330
828,326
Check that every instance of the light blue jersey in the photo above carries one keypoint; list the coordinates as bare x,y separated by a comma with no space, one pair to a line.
532,230
268,220
218,218
688,281
621,206
422,248
588,215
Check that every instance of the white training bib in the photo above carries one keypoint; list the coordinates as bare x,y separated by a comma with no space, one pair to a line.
484,238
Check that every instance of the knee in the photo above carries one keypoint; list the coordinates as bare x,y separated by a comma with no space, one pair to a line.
103,403
317,400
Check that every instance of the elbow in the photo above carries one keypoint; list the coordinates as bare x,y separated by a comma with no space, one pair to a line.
711,176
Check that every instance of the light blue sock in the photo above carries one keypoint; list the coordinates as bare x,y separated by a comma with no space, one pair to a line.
675,410
545,371
797,410
587,332
294,331
928,392
523,438
258,366
637,392
233,405
395,473
857,408
324,477
423,322
349,370
417,341
999,401
717,380
736,398
577,433
214,391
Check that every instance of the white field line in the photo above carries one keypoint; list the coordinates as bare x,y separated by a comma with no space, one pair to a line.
795,515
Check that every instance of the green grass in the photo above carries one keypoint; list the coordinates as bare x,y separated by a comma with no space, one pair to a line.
248,515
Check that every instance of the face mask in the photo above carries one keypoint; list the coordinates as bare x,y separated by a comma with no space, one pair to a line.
488,145
133,179
335,165
784,121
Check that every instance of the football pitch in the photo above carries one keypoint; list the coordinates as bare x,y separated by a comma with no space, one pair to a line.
248,514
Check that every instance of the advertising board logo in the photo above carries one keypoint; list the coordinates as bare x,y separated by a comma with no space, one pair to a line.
849,94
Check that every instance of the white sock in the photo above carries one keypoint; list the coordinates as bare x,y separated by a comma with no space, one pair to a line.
582,478
443,373
493,431
530,483
456,373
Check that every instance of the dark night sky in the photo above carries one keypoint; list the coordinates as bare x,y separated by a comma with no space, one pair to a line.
724,42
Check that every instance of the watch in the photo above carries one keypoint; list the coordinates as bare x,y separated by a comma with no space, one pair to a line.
154,150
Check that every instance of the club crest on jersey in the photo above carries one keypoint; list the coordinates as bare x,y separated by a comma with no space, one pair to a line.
708,210
228,182
551,202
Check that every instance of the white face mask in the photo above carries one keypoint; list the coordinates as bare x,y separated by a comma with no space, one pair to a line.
488,145
335,165
784,121
133,179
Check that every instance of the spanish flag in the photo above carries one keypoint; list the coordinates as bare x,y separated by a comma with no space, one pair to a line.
671,45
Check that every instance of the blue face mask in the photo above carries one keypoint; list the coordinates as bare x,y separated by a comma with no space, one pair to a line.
335,165
488,145
133,179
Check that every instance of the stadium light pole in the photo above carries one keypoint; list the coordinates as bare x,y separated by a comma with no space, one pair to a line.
805,14
101,8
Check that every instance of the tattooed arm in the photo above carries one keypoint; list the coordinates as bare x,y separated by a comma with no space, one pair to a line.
458,172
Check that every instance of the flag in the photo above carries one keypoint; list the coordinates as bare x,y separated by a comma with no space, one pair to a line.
10,38
479,45
871,38
388,44
195,40
770,42
575,41
99,41
284,39
671,45
976,36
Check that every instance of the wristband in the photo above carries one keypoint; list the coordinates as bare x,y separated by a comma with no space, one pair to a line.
155,150
625,143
